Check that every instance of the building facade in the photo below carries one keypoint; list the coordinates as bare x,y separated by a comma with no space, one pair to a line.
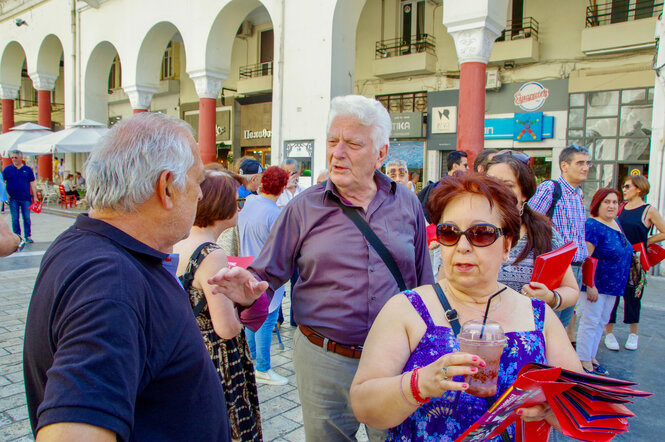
255,77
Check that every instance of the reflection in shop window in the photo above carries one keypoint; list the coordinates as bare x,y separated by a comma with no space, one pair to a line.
604,149
603,104
633,96
601,127
576,118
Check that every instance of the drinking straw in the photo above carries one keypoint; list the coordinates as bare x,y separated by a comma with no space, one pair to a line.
487,311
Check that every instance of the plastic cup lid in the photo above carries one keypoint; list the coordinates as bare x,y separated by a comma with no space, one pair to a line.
492,331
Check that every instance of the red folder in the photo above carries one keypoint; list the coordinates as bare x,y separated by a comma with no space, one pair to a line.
550,267
431,234
655,253
589,271
644,259
240,261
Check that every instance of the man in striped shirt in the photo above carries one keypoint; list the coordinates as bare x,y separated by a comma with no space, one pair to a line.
569,215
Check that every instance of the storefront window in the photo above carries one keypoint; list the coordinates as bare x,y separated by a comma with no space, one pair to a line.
616,126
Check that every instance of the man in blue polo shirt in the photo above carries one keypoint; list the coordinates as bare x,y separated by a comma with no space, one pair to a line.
252,171
20,183
112,349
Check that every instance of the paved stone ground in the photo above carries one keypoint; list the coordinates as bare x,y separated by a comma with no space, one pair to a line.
280,407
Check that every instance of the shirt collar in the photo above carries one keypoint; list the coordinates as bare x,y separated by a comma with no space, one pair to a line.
383,185
99,227
566,185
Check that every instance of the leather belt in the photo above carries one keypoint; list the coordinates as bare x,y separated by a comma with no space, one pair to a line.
350,351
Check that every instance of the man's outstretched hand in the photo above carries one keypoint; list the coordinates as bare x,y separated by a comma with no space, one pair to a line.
238,285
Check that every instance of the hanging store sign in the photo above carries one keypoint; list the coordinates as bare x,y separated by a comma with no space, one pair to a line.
532,126
531,96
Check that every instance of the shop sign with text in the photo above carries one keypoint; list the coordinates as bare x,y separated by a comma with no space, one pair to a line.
407,125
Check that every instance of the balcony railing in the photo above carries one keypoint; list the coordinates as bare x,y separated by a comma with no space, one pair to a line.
256,70
404,46
621,11
527,28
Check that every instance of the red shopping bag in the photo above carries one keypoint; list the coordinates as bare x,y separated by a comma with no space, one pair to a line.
36,206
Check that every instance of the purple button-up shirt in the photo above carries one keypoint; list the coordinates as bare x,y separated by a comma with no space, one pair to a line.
343,282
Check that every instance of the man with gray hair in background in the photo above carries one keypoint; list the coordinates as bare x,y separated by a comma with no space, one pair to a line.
112,349
344,281
292,187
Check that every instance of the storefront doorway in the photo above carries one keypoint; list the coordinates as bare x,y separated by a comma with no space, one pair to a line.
262,154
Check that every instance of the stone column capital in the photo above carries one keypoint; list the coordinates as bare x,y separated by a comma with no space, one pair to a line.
43,82
8,91
140,96
207,83
474,45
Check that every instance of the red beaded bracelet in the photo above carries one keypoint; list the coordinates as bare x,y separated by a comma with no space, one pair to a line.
415,391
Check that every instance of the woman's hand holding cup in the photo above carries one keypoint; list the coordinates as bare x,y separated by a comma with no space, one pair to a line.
437,377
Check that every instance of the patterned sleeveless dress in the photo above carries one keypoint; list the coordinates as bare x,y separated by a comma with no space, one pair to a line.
233,363
446,417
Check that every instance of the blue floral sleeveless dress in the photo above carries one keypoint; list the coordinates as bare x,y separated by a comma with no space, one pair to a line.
446,417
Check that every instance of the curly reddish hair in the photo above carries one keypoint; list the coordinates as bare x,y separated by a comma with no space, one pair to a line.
496,193
220,192
274,180
598,198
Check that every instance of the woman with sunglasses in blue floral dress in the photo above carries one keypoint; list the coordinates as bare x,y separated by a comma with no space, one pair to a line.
410,376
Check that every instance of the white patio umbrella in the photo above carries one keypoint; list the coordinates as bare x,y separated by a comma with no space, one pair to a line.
80,137
21,134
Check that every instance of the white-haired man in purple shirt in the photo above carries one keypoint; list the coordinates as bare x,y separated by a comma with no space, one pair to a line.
343,280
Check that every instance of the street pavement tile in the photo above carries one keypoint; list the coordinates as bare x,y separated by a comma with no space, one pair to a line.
275,406
295,414
12,389
18,413
15,430
297,435
278,426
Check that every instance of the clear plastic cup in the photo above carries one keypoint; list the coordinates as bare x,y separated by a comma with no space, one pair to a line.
489,348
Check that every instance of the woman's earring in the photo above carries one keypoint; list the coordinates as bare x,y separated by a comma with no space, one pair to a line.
522,207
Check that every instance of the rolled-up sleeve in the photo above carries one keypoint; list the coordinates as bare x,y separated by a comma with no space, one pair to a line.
542,199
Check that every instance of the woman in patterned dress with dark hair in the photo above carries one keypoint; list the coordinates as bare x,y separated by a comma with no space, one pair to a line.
218,318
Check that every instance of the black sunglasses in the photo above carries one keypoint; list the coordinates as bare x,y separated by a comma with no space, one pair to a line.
479,235
519,156
241,203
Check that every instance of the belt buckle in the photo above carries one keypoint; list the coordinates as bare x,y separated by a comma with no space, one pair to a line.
325,343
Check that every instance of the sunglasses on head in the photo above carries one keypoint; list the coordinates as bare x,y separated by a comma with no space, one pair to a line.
479,235
241,203
581,149
519,156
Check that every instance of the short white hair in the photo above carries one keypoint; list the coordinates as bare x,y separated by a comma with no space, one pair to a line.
396,162
125,165
368,111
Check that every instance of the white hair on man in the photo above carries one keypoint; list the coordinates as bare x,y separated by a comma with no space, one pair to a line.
396,163
368,111
291,162
125,165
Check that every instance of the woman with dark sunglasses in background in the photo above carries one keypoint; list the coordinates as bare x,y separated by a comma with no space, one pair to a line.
408,378
537,236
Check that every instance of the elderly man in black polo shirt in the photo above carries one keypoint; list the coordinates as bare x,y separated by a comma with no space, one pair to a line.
343,281
112,349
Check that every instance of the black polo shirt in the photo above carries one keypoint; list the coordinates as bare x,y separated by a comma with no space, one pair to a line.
111,341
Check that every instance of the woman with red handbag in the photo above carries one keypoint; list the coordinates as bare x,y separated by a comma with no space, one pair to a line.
636,219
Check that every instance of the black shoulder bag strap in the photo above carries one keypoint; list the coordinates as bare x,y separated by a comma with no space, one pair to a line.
374,240
187,278
556,196
453,319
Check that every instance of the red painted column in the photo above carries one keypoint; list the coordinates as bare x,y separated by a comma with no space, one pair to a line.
207,135
44,162
7,115
471,117
138,111
7,123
